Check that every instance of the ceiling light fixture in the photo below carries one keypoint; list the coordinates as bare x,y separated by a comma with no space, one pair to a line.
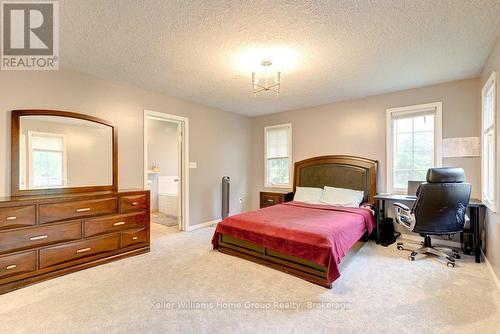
266,81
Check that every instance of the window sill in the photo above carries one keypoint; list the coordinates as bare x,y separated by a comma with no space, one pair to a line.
398,192
280,186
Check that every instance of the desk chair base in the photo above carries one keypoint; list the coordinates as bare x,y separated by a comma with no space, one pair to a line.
448,254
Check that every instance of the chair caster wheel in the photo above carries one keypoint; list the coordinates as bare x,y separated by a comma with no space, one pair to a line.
451,264
411,258
399,247
456,256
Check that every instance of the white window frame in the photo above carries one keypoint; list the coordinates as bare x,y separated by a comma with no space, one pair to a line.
30,159
290,163
490,204
438,137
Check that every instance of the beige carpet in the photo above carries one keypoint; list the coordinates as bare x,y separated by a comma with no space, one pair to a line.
379,291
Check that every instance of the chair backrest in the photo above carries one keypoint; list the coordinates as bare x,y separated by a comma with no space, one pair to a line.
442,202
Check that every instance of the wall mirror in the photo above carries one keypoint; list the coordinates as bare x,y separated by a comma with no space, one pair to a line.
61,152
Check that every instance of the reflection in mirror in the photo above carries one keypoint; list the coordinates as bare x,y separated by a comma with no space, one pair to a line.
61,152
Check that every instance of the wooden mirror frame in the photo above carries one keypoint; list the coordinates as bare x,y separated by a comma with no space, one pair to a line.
14,151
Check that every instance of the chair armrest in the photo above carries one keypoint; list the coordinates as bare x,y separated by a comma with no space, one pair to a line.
404,216
402,206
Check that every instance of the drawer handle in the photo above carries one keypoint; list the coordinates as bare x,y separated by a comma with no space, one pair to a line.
119,223
12,266
135,238
83,210
270,200
135,203
39,237
11,218
83,250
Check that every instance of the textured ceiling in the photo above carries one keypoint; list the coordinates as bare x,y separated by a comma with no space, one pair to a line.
341,49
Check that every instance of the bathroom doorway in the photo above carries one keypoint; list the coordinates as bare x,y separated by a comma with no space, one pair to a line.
166,168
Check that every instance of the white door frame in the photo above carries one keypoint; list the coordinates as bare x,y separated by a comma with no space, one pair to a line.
184,170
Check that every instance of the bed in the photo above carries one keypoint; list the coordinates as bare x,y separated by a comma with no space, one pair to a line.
306,240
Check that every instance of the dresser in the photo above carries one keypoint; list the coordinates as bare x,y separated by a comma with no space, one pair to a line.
269,198
46,236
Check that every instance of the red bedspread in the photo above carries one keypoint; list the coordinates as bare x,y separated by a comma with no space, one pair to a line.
320,233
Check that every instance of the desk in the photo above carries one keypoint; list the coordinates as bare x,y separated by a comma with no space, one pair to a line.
474,206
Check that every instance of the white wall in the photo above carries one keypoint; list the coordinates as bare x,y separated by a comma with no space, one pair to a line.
163,146
220,142
358,127
492,221
163,150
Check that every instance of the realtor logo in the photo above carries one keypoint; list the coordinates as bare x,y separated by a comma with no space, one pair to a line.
30,35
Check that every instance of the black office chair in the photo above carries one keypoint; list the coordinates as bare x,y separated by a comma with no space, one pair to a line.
440,209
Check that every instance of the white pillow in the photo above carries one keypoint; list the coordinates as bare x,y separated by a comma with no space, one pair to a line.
342,197
308,195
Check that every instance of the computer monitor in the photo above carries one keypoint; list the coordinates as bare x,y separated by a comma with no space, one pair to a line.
413,186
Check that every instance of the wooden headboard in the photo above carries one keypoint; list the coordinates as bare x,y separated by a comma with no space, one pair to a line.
342,171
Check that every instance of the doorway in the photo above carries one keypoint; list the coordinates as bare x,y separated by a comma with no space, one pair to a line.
166,172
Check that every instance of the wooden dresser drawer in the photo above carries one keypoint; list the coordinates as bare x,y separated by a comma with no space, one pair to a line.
17,216
129,238
269,198
37,236
17,264
49,235
69,210
133,203
114,223
59,254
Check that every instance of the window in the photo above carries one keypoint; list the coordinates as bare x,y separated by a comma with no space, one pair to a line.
488,97
413,144
278,155
47,160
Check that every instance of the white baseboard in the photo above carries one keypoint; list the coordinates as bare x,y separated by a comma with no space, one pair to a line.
490,268
203,225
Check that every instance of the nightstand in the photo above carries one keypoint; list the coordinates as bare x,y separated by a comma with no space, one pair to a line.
269,198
